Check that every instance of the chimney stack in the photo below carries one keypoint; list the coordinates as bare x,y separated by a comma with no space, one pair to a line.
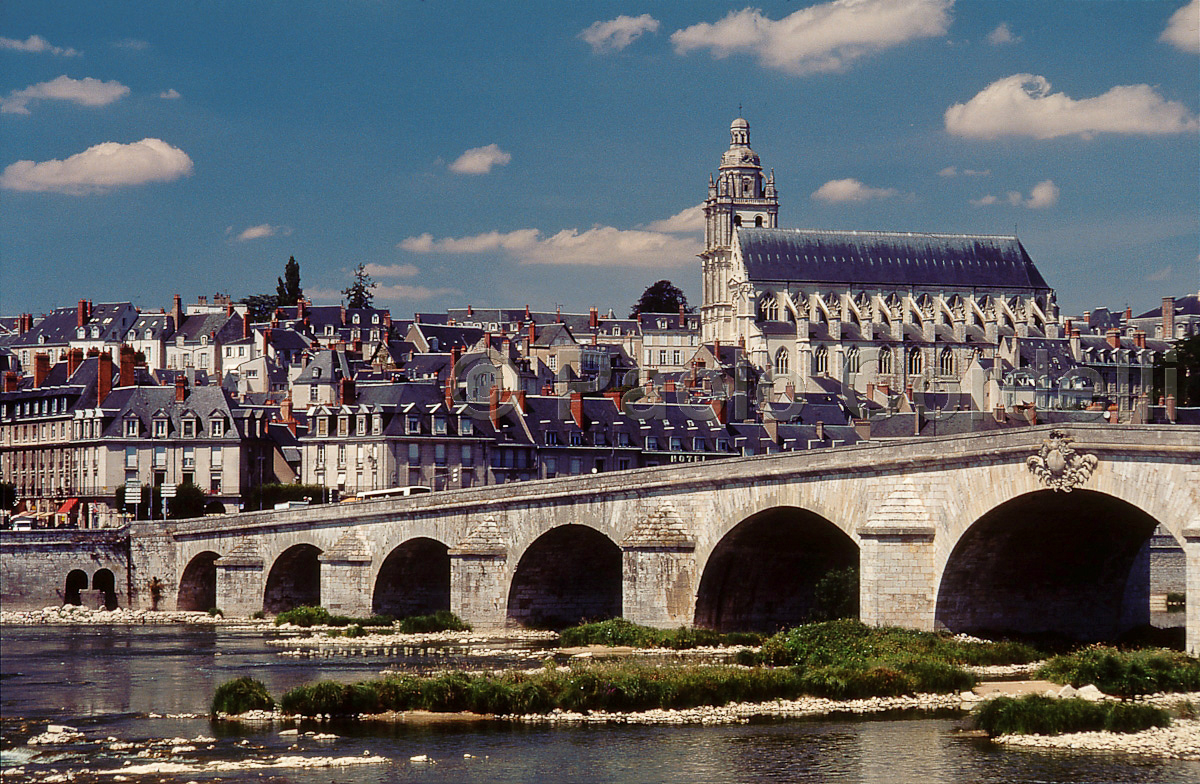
820,430
10,381
74,360
245,326
228,310
718,407
577,409
449,394
1168,318
126,366
81,313
1114,337
532,333
1139,339
41,368
177,311
527,315
104,377
682,317
593,318
180,388
266,341
24,323
1076,345
346,392
470,311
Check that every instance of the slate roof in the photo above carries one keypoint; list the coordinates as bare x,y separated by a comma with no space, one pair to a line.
158,324
1184,306
888,258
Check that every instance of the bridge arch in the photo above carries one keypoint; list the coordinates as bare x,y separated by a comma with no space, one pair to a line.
414,579
198,583
77,582
1069,564
294,579
105,583
762,574
568,574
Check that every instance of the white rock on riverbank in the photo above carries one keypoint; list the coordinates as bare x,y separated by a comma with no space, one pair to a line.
1180,741
76,614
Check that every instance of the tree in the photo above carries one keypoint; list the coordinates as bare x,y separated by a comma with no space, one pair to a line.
360,293
259,307
288,292
1183,360
661,297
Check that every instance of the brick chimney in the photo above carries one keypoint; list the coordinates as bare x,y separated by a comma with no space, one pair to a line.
81,313
682,317
1113,336
1168,318
24,323
1139,339
1076,345
1128,315
718,407
615,396
527,315
10,381
532,333
449,398
301,307
41,368
180,388
104,377
126,367
346,392
593,318
266,340
177,311
246,326
228,310
74,360
494,406
470,311
577,409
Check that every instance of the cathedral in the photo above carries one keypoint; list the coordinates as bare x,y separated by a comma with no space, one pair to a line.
881,312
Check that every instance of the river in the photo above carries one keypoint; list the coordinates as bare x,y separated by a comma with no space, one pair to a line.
140,685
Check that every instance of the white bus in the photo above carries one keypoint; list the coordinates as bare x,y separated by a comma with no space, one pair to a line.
390,492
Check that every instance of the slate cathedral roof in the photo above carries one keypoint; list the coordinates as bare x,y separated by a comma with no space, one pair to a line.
888,258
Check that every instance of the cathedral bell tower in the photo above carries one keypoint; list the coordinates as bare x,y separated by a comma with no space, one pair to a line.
739,196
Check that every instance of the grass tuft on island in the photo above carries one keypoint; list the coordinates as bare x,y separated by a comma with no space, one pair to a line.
1038,715
1125,673
441,621
241,695
618,631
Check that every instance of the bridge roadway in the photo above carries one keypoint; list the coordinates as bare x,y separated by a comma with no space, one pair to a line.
1038,529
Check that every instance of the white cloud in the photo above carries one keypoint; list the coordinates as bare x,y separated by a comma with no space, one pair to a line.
616,34
100,168
1160,275
1183,28
1044,194
1022,105
849,190
36,44
403,291
826,37
170,94
954,171
480,160
683,222
1002,35
392,270
597,246
84,92
261,231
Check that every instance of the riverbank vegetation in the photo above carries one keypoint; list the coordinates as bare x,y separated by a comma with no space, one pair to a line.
618,631
1038,715
307,617
1125,673
241,695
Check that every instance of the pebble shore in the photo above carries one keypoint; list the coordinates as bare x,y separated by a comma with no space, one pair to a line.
76,614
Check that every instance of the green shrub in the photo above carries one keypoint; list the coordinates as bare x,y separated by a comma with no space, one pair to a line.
241,695
619,631
836,595
1038,715
304,617
440,621
214,612
1125,673
316,698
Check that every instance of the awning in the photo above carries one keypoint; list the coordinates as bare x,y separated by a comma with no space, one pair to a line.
67,506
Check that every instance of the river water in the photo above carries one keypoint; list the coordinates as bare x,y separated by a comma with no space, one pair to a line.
128,689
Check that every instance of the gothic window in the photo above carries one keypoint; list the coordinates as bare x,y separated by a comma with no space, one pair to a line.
781,362
852,361
915,364
885,361
770,308
946,362
821,361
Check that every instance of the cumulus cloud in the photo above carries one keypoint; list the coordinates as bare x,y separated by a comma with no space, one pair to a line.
1002,35
480,160
170,94
100,168
132,44
954,171
683,222
1022,105
850,190
36,44
598,246
392,270
825,37
262,231
1044,194
403,291
84,92
616,34
1183,28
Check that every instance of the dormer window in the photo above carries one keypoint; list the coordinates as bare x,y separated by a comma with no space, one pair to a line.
343,426
322,426
361,426
354,319
316,372
465,426
412,424
374,318
376,424
216,427
204,340
189,427
80,333
160,427
131,427
439,425
149,334
95,332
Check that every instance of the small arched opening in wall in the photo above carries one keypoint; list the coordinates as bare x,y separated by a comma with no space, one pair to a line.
569,574
77,582
104,582
413,580
294,580
778,568
1071,565
198,585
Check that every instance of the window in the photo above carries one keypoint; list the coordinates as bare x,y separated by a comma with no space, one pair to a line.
698,445
651,443
915,363
216,427
468,459
131,457
676,444
576,438
218,456
722,445
676,357
343,426
852,361
551,438
320,454
465,426
553,363
439,425
312,393
322,426
376,424
131,427
946,362
414,454
341,455
551,465
781,362
769,308
189,428
413,424
439,454
885,361
160,457
662,356
622,438
821,361
189,457
576,465
360,427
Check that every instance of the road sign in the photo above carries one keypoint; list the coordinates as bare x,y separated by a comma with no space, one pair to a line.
133,495
168,491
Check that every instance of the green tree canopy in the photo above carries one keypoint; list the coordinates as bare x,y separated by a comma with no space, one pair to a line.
661,297
288,292
260,307
360,293
1177,373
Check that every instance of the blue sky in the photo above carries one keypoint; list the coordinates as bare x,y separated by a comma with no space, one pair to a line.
499,154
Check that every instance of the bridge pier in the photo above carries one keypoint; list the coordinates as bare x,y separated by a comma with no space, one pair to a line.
477,586
240,583
897,576
1191,549
658,585
346,577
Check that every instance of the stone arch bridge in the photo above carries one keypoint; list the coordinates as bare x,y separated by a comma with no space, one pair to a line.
1044,528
